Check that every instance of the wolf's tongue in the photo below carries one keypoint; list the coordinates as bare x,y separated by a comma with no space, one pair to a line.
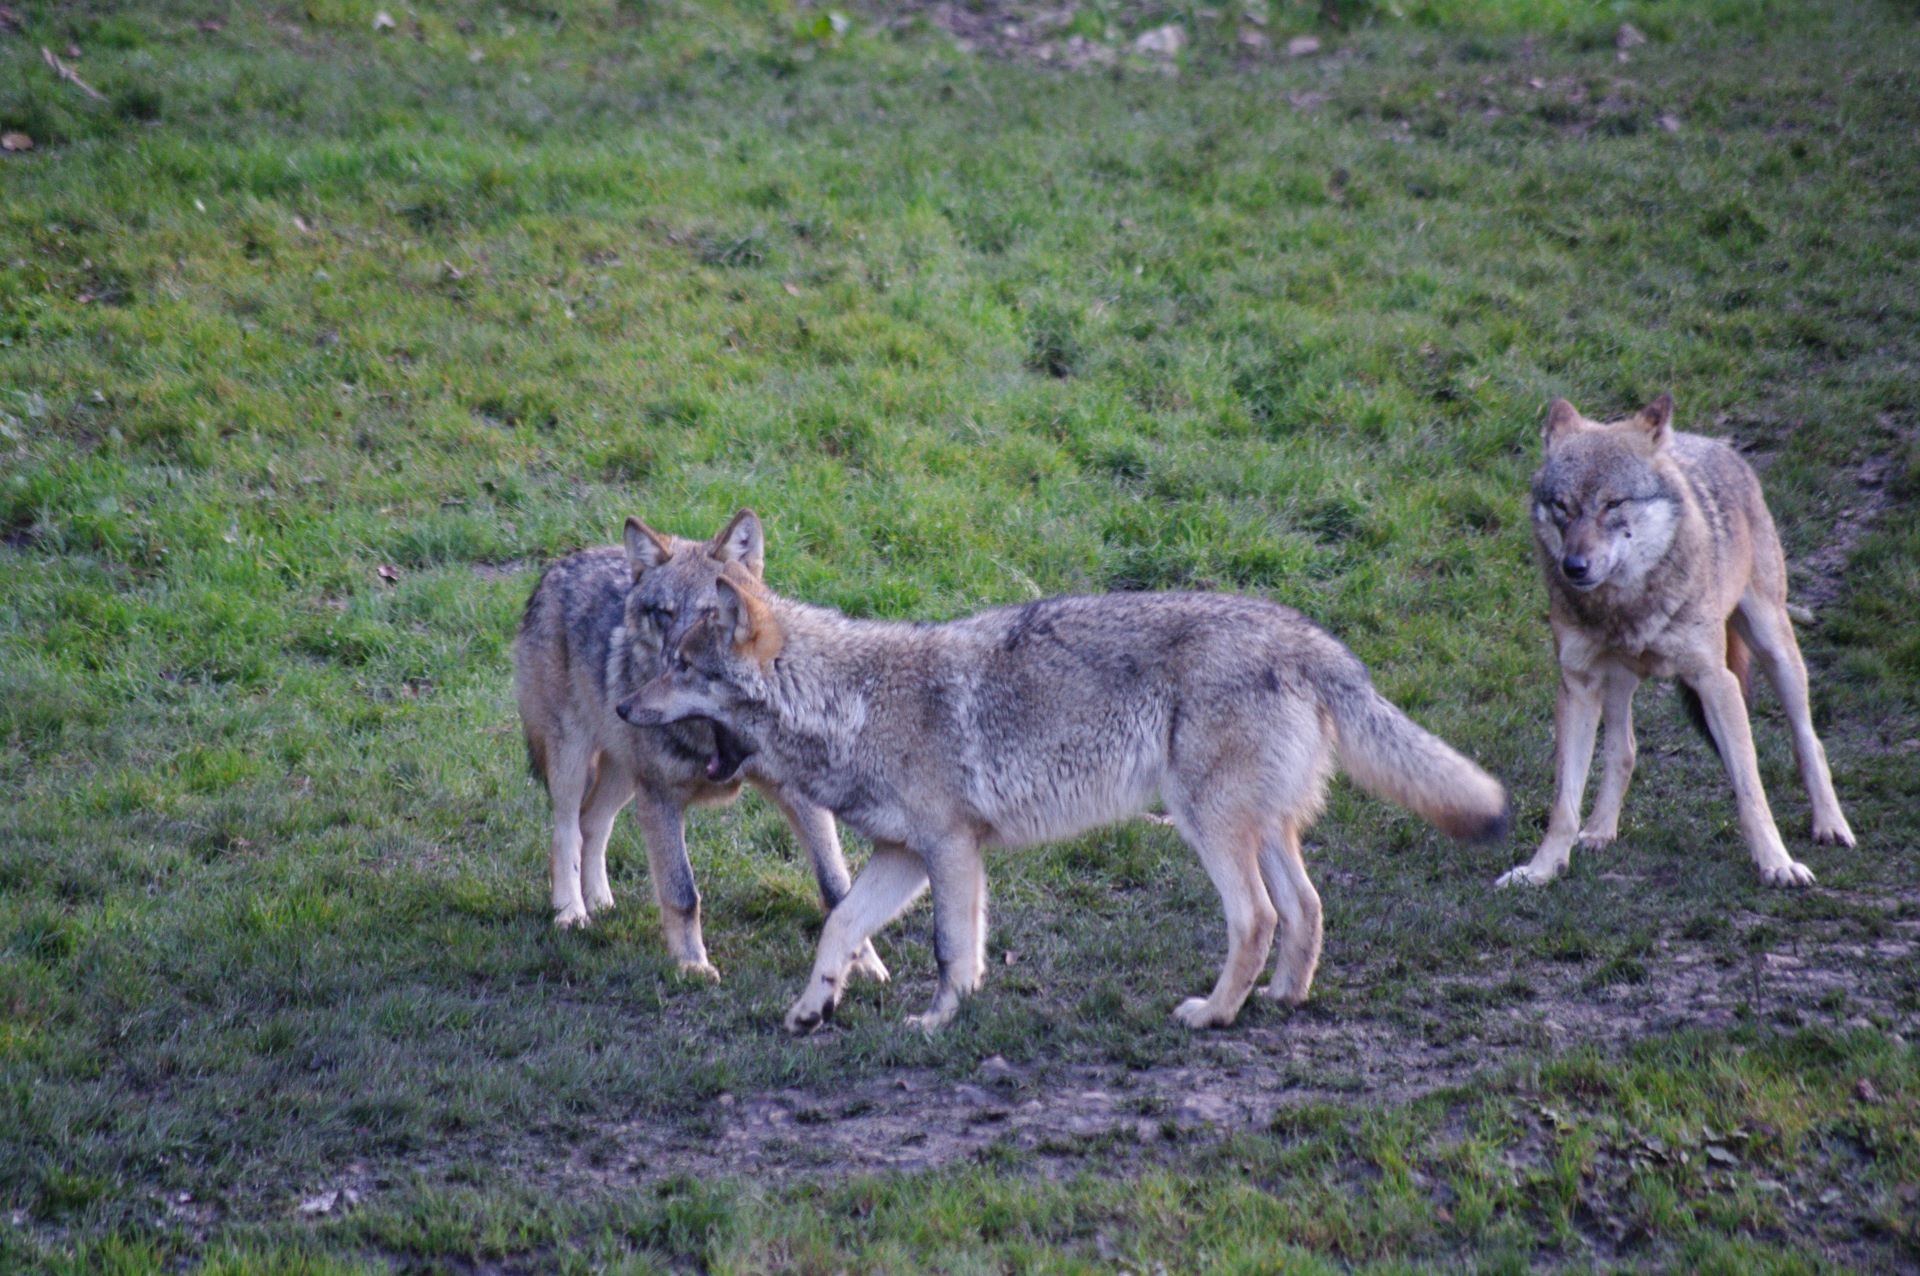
714,766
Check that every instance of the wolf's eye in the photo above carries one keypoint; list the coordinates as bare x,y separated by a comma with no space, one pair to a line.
1615,504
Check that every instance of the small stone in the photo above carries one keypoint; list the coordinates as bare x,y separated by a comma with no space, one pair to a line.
1161,42
1255,40
15,142
1671,123
1302,46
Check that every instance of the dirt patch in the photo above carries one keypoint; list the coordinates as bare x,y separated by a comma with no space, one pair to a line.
915,1120
1820,577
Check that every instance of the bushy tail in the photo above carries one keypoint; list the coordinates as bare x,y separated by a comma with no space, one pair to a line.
1391,756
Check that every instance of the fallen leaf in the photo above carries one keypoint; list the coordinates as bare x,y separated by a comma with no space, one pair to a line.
1628,37
1717,1153
793,289
321,1203
1865,1092
68,74
389,573
1161,42
10,20
1252,39
15,142
210,25
1671,123
476,56
73,50
383,21
1303,46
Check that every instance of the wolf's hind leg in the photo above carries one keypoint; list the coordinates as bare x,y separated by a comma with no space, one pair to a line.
1298,905
820,837
959,877
663,828
1229,848
1576,720
1616,758
611,790
567,776
892,879
1768,629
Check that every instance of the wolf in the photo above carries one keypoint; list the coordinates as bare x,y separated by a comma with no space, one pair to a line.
592,634
1661,560
1033,723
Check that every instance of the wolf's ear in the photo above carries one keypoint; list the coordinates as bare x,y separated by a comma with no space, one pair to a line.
1562,420
645,547
1657,420
742,542
748,620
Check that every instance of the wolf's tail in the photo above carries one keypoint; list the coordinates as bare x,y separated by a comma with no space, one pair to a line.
1391,756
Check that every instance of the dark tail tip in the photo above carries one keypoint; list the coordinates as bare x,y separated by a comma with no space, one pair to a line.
1477,827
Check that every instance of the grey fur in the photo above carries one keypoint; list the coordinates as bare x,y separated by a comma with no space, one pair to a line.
1660,559
1032,723
591,635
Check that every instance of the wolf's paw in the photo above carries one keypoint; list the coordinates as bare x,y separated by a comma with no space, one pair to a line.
572,916
1832,830
1526,875
1598,839
929,1023
1788,873
1285,992
868,963
599,902
700,968
808,1013
1198,1012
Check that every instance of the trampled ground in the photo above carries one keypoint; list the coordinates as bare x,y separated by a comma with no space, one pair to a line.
317,336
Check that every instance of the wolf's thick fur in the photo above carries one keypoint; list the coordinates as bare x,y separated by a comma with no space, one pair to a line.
591,636
1661,560
1032,723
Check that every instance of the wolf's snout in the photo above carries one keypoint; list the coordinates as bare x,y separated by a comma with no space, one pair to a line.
630,712
1575,566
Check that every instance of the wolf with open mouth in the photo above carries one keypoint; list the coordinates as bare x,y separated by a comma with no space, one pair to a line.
592,635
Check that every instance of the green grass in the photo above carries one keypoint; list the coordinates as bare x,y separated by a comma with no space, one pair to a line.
301,302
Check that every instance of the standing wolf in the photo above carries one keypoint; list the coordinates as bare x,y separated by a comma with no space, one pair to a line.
1661,560
1036,722
591,636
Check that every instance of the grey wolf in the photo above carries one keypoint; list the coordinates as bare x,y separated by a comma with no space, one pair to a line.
1036,722
1661,560
591,635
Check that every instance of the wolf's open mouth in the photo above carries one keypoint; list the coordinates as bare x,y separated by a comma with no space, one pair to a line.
730,753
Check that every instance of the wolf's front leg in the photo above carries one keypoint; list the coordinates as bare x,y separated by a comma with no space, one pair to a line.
663,828
1616,759
1576,720
959,929
817,832
892,879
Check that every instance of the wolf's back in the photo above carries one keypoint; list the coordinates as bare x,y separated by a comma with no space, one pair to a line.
1391,756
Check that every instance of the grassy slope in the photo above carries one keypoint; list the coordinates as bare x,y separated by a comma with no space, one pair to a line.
300,301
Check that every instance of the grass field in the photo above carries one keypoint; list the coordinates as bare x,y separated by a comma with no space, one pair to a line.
317,339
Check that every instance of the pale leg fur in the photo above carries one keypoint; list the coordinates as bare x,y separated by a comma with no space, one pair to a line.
1726,710
1231,857
818,835
1767,628
1576,719
566,785
892,879
1298,907
1616,758
663,829
610,792
959,879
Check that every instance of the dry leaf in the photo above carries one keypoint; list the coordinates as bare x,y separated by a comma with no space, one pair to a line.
1161,42
389,573
1671,123
10,20
73,50
68,74
210,25
15,142
1628,37
793,289
383,21
1303,46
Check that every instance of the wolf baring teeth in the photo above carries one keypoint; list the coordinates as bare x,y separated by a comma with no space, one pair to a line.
1661,560
592,634
1033,723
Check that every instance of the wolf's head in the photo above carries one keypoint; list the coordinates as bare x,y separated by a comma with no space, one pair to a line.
1605,502
719,666
674,590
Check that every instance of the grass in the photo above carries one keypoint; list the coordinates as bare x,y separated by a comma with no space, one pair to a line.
313,341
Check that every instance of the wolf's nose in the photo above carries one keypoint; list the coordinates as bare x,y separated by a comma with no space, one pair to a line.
1575,566
625,710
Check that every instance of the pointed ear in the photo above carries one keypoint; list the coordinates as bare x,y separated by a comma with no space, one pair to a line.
742,541
1657,420
1562,420
645,547
744,614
